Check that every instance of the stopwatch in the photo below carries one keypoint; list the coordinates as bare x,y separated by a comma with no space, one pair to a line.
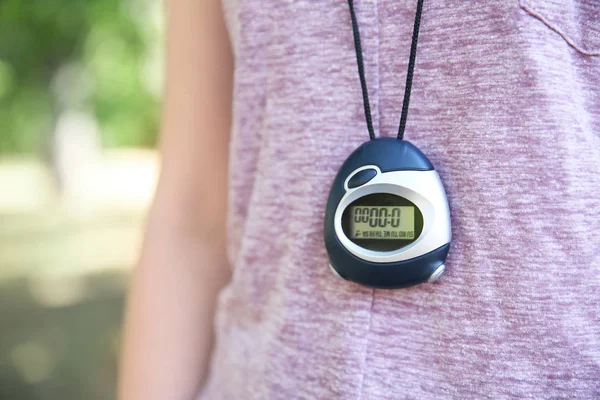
387,221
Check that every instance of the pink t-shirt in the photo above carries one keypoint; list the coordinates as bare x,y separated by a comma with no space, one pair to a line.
506,105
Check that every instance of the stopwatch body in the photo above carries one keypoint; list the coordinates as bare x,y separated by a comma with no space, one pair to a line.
387,222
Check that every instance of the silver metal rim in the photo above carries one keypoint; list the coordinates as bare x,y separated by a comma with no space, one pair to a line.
424,189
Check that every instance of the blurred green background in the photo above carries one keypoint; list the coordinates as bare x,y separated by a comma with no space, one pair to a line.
80,90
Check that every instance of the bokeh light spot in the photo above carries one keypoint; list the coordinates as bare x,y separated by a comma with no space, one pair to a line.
33,362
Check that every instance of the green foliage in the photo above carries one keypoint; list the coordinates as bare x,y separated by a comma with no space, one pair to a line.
109,43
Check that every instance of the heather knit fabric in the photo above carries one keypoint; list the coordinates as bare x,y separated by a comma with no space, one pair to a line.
506,104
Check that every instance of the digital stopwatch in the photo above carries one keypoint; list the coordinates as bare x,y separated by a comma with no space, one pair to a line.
387,222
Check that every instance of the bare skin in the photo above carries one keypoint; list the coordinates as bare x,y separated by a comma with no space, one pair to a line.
169,318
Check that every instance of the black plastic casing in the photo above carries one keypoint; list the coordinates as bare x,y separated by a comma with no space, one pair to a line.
389,154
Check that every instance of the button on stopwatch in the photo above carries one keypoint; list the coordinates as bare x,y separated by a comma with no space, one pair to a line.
361,177
437,273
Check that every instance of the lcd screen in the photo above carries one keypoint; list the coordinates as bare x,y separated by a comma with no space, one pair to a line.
382,222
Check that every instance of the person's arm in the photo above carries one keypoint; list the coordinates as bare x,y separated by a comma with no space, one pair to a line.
169,317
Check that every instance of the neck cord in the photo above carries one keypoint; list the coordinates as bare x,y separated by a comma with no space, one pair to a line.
409,74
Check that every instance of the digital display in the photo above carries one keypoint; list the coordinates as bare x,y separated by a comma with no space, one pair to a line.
382,222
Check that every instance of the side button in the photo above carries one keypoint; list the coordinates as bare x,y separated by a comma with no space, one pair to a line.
334,271
361,177
437,273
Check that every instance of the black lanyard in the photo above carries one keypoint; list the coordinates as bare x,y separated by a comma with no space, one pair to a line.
409,74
